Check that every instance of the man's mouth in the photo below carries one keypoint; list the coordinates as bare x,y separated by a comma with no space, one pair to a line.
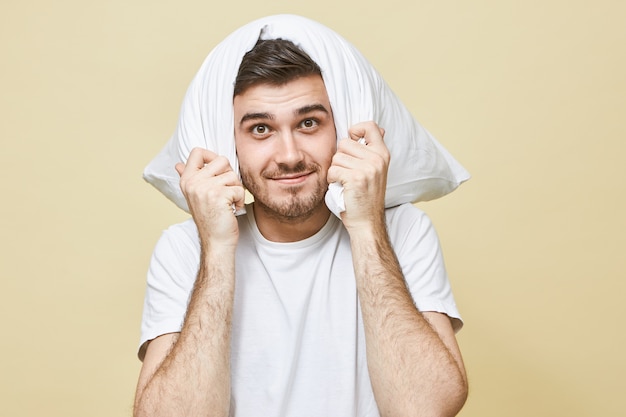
292,179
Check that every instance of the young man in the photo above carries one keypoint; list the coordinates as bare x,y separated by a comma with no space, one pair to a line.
291,310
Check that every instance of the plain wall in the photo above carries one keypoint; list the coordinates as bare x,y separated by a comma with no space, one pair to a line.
529,95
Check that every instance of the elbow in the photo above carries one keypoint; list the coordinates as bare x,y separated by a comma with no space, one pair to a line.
454,400
138,413
139,410
456,393
446,401
143,408
460,400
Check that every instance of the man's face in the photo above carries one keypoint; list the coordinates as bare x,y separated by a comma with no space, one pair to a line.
285,137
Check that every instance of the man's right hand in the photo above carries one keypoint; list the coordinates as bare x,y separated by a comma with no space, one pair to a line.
212,189
188,373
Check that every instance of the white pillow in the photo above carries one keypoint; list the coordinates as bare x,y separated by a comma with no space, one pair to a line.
420,168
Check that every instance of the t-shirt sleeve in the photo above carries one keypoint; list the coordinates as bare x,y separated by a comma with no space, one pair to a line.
418,250
171,276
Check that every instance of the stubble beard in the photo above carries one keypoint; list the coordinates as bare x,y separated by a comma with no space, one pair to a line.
296,206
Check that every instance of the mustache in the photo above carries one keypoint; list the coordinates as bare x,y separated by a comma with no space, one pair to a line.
284,169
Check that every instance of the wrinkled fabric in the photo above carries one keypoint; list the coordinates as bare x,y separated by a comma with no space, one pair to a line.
420,168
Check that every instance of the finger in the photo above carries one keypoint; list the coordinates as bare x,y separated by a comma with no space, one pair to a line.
203,182
203,191
180,167
370,131
218,166
353,148
349,154
337,173
228,179
198,158
235,198
239,197
202,160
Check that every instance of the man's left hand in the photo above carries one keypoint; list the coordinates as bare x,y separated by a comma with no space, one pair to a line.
360,165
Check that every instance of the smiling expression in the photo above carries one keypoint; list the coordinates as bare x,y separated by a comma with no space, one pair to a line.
285,137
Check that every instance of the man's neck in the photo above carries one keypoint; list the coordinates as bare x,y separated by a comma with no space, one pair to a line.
289,229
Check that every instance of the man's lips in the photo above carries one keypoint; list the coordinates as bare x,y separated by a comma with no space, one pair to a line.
292,179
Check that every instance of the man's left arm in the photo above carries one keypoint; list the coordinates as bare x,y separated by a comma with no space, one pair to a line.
415,364
414,361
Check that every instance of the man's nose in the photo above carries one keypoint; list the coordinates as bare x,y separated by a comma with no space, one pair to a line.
288,151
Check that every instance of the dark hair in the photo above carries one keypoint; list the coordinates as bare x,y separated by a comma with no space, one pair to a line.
275,62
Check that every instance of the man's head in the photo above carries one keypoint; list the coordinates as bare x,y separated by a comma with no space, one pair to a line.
274,62
284,131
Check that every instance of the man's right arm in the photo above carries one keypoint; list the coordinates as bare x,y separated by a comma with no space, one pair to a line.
188,373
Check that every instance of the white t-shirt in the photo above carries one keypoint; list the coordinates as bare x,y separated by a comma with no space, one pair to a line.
298,346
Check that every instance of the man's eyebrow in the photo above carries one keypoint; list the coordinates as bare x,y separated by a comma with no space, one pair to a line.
268,116
311,108
256,116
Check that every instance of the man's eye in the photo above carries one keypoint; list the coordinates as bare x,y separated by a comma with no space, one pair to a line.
308,123
259,129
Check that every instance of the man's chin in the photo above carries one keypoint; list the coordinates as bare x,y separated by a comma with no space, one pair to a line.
291,207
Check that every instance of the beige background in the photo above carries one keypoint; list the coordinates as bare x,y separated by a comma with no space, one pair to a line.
529,95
